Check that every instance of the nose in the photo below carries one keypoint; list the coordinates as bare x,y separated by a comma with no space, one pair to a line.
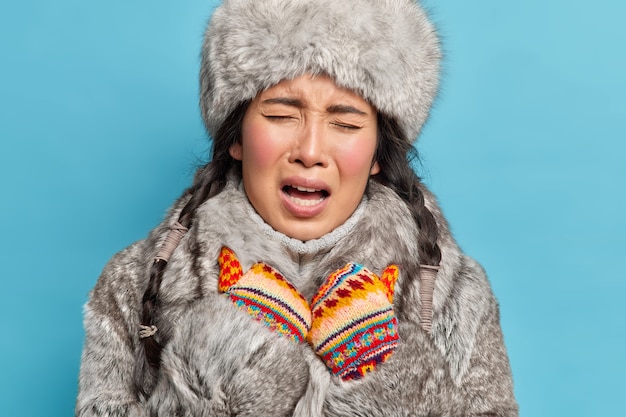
310,146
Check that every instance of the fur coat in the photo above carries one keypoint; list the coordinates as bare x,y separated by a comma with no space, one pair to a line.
217,361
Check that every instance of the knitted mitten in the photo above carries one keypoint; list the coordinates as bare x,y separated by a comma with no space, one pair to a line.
266,295
354,327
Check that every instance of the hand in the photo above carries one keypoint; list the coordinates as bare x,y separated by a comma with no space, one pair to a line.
353,326
265,295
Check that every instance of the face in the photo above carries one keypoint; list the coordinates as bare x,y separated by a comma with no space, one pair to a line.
307,150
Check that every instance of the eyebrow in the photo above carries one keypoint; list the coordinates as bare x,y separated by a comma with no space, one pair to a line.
342,108
293,102
334,109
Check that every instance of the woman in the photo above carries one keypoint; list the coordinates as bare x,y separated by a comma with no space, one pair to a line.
307,271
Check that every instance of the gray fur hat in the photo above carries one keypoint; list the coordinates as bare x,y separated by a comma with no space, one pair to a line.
384,50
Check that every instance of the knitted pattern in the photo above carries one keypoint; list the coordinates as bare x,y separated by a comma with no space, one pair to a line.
266,295
353,326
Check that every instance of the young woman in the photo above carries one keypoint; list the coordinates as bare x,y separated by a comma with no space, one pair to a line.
307,271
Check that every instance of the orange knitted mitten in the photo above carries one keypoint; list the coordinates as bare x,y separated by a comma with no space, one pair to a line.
353,326
266,295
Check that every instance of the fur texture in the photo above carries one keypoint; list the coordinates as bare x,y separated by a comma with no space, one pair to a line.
384,50
217,361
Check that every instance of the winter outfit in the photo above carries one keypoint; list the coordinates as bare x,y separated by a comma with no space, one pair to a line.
255,323
218,361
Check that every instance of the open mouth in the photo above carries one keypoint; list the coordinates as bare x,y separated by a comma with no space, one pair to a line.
304,196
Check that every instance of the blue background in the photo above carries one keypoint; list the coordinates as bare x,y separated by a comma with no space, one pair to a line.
100,131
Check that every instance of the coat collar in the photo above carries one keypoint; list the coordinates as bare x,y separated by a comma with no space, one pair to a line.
380,232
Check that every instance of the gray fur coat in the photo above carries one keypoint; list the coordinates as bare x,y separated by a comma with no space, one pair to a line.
217,361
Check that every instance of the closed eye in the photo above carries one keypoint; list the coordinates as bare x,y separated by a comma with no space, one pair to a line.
346,126
278,118
268,116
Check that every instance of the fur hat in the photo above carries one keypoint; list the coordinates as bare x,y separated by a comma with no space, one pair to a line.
384,50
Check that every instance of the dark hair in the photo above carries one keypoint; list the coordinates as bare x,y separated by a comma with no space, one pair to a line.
209,181
393,153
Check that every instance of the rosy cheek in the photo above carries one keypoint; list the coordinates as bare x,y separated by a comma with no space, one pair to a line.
355,156
260,144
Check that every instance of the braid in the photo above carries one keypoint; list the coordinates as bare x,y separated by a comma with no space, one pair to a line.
394,154
209,181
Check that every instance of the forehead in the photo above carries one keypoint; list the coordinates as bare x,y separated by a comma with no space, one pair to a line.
312,92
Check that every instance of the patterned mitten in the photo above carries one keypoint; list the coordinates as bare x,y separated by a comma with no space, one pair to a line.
266,295
354,327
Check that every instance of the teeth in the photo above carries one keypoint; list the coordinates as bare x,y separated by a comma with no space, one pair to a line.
305,189
306,203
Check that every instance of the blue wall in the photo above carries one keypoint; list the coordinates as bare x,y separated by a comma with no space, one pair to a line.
100,131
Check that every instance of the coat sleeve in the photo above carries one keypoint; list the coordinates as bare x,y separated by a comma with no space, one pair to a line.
106,382
483,377
220,362
487,388
217,360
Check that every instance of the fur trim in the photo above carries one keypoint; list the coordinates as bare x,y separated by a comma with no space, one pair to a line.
385,223
385,50
218,361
